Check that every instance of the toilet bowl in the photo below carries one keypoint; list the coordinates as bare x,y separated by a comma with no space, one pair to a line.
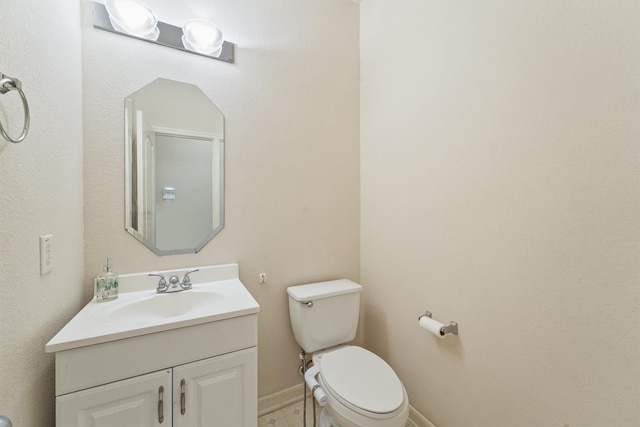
360,388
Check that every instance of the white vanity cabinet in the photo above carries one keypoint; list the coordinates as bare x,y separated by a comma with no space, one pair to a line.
219,391
141,401
187,359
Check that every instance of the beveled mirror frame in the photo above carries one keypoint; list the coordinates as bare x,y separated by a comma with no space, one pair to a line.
150,130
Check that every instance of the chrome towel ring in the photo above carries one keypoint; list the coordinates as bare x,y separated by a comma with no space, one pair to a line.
8,84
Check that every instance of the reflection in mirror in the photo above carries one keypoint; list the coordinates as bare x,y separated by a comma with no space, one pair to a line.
174,171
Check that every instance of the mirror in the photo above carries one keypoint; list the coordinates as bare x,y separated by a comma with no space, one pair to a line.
174,167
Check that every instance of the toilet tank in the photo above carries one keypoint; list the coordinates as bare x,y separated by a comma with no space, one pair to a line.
324,314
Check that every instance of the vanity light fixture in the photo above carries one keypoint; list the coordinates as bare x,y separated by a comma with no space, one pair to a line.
135,19
202,36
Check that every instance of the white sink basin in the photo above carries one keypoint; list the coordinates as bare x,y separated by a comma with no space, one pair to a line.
217,294
168,305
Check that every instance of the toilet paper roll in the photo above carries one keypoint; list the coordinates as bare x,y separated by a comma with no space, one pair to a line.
432,326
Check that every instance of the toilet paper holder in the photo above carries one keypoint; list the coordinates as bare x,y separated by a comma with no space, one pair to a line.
451,329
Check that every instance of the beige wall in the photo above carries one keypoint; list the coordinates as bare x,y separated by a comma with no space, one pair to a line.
291,114
40,193
500,161
499,151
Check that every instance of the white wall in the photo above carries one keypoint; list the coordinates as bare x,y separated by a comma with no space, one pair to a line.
291,150
40,193
500,160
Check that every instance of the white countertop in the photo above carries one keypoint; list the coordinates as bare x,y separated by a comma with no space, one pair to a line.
217,294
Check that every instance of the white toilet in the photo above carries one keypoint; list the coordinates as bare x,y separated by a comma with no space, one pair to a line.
362,390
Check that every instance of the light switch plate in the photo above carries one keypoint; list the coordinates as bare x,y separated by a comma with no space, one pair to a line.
46,254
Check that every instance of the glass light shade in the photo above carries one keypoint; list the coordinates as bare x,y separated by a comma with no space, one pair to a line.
133,17
202,36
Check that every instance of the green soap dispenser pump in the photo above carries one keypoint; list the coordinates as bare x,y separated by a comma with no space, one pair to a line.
106,284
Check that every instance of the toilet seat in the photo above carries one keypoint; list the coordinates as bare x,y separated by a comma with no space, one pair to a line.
361,381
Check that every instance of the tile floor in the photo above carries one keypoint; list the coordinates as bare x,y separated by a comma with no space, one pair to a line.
291,416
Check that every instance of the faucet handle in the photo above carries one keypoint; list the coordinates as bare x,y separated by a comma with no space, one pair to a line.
162,283
186,280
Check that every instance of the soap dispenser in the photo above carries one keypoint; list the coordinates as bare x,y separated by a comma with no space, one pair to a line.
106,284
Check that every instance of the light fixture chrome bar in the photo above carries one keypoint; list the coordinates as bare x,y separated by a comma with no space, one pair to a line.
170,35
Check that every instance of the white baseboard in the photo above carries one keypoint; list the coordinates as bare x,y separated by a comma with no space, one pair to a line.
291,395
416,419
280,399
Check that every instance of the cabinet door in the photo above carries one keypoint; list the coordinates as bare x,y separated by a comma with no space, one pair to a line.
143,401
217,392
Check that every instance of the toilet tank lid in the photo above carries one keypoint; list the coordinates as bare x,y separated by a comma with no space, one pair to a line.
321,290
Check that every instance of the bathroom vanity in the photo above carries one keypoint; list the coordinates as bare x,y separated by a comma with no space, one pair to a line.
184,359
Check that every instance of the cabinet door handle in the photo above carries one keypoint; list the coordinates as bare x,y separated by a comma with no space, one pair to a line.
161,404
183,399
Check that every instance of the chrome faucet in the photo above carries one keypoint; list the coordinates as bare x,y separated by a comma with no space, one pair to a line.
186,280
163,286
174,284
